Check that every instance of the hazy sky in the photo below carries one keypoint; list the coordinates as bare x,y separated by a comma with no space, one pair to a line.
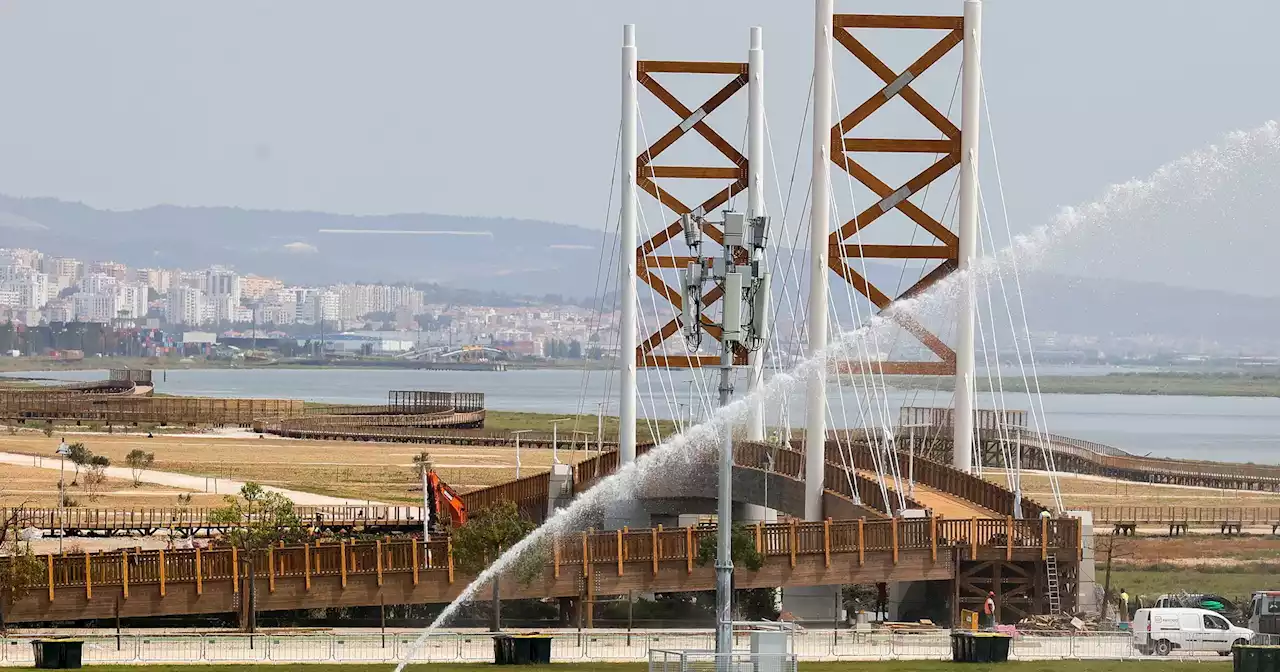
510,107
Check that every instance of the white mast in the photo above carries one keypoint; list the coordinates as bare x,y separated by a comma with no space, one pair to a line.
819,230
962,455
627,254
755,202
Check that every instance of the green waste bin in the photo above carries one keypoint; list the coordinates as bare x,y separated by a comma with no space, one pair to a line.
522,650
57,654
1256,659
980,647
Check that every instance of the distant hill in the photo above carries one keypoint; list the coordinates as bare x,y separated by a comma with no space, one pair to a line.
521,256
535,258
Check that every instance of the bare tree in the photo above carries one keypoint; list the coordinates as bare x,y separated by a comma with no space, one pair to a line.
95,476
1113,548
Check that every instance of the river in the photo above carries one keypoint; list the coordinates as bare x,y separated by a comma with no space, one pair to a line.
1240,429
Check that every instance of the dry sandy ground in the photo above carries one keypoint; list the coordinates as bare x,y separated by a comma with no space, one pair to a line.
356,470
38,487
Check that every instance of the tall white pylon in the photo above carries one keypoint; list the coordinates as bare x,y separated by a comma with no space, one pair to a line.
971,92
819,230
627,254
755,202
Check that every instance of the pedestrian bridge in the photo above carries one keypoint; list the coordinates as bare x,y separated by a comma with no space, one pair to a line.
583,565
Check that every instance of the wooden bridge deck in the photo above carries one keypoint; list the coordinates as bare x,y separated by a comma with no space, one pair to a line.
152,583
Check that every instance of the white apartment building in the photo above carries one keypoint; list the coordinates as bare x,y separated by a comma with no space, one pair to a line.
59,310
131,300
185,306
220,281
94,307
63,267
116,270
99,283
277,313
158,279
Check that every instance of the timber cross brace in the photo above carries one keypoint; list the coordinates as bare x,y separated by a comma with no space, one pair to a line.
947,245
648,254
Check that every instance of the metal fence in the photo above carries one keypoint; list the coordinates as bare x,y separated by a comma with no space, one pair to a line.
810,645
665,660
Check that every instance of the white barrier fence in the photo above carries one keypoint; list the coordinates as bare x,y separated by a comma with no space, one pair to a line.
810,645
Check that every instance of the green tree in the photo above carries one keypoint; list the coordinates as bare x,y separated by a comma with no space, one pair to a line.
20,569
742,549
80,456
256,519
138,460
488,534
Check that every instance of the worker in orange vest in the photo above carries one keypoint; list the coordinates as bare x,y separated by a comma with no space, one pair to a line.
989,611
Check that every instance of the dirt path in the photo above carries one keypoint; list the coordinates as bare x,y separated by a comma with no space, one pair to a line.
188,482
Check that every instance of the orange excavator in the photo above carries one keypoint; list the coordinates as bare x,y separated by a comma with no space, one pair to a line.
445,503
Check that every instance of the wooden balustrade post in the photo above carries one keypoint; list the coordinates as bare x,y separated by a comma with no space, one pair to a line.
933,538
124,573
1044,538
618,537
759,537
1008,538
688,549
653,548
555,557
377,549
88,576
862,545
793,543
342,555
414,556
49,565
826,543
162,587
893,529
271,569
973,538
199,574
449,552
235,569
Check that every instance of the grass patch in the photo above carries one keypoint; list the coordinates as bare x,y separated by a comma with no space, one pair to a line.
1154,582
541,422
892,666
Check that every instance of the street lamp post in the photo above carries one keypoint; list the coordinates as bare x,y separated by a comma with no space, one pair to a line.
517,434
555,438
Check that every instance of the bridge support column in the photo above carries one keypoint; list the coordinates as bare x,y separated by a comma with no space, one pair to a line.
1086,578
560,488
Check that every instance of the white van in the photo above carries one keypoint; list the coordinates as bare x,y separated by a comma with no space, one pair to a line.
1162,630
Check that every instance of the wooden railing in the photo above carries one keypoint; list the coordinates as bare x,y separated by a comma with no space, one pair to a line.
129,409
1110,458
1248,515
943,477
156,518
529,493
434,560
